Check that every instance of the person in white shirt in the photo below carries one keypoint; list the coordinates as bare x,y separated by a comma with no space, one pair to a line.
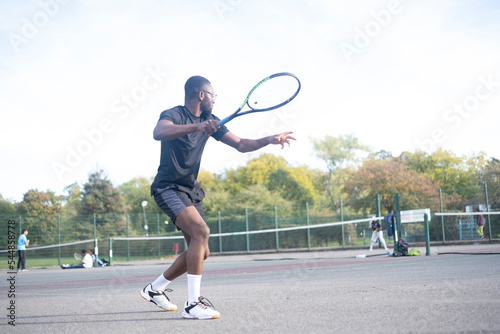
86,263
377,234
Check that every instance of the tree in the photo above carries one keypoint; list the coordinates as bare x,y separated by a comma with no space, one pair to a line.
386,178
136,191
39,203
72,199
39,209
6,207
258,198
256,171
340,154
492,178
100,196
293,184
455,175
217,196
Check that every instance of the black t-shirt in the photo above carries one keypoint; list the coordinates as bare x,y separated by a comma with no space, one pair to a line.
375,225
180,158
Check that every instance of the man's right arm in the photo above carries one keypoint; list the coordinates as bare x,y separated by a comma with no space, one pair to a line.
167,130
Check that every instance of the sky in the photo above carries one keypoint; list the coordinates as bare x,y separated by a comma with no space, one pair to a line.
82,83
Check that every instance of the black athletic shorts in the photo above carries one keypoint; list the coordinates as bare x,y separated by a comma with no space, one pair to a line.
172,200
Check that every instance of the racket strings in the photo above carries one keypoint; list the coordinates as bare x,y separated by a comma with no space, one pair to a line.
273,92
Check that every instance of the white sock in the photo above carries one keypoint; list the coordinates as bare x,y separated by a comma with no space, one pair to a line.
160,283
194,288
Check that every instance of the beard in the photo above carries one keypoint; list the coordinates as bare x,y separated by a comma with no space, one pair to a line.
206,108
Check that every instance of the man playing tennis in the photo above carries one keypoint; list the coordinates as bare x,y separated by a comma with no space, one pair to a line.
183,132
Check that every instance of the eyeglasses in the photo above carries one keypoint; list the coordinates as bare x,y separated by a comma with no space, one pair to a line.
214,96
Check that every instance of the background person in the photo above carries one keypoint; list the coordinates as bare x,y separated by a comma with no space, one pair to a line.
377,234
389,219
480,225
98,262
22,242
86,263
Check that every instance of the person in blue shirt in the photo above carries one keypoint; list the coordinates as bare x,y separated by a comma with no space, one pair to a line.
389,219
22,242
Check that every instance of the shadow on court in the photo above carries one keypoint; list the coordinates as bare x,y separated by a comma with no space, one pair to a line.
310,292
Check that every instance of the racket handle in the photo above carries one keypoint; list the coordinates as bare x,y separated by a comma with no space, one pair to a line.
224,121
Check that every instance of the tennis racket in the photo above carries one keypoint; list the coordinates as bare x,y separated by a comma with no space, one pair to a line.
78,256
270,93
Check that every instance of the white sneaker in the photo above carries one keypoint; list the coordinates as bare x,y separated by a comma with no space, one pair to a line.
202,309
158,297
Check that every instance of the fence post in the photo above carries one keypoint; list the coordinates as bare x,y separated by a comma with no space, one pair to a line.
158,229
110,251
342,219
308,230
59,239
220,231
276,225
397,223
427,238
377,199
487,209
246,227
96,248
441,208
128,241
95,230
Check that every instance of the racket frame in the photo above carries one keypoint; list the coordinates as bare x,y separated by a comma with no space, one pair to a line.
237,113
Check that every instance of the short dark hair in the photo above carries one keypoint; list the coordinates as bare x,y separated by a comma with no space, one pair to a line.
84,251
23,230
194,85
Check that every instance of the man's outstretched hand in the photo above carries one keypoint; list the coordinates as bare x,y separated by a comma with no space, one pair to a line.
282,139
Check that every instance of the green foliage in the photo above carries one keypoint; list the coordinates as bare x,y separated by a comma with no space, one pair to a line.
7,207
136,191
72,199
492,178
340,154
455,175
39,203
386,178
257,171
268,181
293,184
100,196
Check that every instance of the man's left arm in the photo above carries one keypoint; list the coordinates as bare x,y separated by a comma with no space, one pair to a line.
249,145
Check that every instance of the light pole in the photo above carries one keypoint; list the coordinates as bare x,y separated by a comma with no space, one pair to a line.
144,203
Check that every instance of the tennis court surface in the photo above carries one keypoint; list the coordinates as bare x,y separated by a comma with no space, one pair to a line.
308,292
